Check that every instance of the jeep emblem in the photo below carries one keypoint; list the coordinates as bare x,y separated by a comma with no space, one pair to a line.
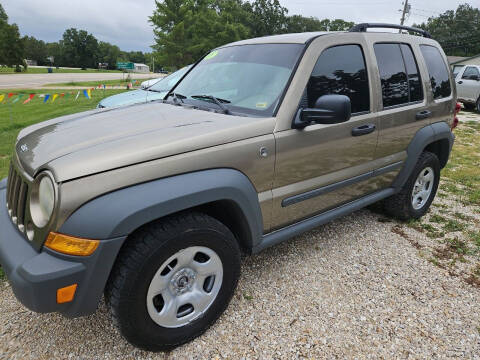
24,147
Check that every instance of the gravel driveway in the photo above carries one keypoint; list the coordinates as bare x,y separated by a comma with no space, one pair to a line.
359,287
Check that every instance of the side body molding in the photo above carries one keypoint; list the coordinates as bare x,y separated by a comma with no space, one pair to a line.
423,137
120,212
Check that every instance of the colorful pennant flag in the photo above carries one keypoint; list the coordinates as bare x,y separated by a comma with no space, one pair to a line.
54,97
46,98
10,95
2,97
41,96
78,94
86,93
17,98
29,99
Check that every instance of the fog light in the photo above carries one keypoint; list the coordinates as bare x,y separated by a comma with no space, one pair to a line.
71,245
66,294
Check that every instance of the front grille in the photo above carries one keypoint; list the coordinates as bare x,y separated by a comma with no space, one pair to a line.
17,190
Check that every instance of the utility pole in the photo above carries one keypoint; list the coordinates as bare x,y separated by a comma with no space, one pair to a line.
406,10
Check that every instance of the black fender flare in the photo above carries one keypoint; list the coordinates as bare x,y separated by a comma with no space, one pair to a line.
420,141
120,212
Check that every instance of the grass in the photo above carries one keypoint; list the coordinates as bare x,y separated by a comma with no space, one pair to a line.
14,117
32,70
462,171
119,82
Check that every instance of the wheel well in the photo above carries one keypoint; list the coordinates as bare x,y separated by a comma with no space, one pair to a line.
230,214
225,211
441,148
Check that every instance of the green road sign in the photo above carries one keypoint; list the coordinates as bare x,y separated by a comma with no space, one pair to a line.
125,65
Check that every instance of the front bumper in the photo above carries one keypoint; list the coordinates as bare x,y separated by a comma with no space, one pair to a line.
36,276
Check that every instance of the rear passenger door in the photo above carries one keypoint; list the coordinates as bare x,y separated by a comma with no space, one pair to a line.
468,86
403,109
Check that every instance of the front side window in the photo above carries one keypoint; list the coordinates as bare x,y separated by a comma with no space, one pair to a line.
437,70
248,79
469,72
341,70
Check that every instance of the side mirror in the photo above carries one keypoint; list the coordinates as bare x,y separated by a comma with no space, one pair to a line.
329,109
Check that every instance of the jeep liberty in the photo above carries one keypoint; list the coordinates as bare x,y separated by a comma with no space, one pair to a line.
261,140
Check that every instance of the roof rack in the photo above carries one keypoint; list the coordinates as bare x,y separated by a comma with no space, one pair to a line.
363,28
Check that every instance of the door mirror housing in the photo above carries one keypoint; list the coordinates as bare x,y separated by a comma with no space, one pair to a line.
329,109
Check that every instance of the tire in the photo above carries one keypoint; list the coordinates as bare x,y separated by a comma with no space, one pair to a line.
469,106
140,268
406,204
477,105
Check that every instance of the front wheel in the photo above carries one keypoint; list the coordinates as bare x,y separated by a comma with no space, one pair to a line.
419,190
173,280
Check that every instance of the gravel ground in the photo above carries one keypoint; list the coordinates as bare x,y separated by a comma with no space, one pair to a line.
359,287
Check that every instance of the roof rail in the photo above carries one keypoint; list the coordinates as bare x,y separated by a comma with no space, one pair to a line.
363,28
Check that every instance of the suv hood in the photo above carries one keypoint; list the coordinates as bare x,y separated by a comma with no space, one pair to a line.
99,140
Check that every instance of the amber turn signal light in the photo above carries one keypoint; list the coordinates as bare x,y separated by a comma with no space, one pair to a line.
66,294
71,245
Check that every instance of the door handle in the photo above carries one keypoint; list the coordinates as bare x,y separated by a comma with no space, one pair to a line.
363,130
423,114
460,82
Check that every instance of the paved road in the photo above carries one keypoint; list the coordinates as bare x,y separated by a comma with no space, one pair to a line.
31,81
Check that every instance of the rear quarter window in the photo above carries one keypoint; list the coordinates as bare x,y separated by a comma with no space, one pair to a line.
437,71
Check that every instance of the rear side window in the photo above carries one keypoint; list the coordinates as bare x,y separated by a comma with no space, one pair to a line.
437,70
414,83
341,70
399,74
469,71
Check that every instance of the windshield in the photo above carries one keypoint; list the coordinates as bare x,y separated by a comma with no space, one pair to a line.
169,81
247,79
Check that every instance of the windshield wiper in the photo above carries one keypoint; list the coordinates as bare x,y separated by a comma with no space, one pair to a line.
158,91
216,100
177,96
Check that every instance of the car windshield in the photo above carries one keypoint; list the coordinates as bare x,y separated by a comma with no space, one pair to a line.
169,81
247,79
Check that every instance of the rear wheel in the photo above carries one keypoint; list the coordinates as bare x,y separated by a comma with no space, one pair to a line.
418,191
469,106
173,280
478,105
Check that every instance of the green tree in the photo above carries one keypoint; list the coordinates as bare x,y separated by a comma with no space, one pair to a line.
55,51
35,50
108,53
11,45
269,18
457,30
186,30
3,15
80,49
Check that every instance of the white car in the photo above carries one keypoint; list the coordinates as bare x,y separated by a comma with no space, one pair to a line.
148,83
468,87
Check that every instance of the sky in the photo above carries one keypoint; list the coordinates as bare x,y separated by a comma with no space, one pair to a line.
125,22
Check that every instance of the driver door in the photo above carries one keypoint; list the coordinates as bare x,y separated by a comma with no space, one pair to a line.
323,166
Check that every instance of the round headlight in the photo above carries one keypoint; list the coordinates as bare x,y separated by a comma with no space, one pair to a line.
42,200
